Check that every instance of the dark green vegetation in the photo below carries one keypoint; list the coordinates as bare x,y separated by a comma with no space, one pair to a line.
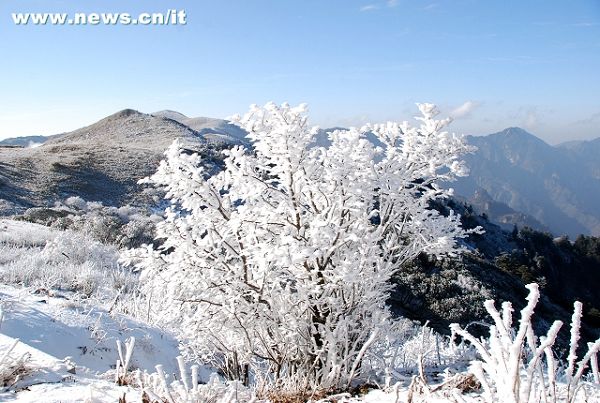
496,266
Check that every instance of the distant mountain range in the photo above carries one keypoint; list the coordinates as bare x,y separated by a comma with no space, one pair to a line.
25,141
558,186
516,178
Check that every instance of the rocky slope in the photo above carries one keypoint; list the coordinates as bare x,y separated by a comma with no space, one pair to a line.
100,162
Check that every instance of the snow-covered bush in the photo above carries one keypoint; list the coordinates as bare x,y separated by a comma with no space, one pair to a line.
415,351
76,202
122,366
516,366
410,346
276,269
68,261
185,387
159,387
125,226
74,248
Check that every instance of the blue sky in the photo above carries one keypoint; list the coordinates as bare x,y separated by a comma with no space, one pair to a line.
491,64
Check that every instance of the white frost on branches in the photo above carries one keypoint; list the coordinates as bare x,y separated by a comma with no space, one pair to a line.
511,368
277,267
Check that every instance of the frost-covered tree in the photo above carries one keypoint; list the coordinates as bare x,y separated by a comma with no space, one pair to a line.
277,268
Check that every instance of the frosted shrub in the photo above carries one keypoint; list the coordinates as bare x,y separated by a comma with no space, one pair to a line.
515,366
70,247
434,351
158,387
76,202
124,226
409,346
69,261
121,374
277,267
573,373
98,226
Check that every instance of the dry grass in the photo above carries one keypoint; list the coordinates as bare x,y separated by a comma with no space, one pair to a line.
464,382
13,369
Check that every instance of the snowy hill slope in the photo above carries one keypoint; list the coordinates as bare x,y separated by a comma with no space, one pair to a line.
69,336
217,130
72,346
100,162
44,322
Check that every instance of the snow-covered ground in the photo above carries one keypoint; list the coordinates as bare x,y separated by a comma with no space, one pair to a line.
69,341
68,338
58,341
72,346
71,349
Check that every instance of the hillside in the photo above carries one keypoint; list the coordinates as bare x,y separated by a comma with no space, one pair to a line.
100,162
497,266
500,213
215,130
588,152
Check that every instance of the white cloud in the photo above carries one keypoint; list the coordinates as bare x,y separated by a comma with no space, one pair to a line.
464,110
593,119
585,24
369,7
378,5
531,119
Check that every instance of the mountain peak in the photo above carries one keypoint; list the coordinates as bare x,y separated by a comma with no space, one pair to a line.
124,114
170,114
516,135
516,132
